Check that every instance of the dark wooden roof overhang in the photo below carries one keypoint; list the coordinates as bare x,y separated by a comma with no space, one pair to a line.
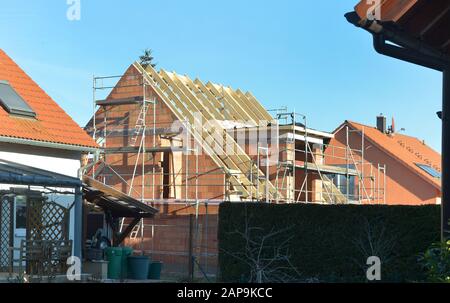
117,203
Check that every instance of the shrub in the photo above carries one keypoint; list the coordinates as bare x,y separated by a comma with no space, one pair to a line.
330,243
436,262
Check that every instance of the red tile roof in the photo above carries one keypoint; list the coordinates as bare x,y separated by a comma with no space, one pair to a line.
52,125
407,150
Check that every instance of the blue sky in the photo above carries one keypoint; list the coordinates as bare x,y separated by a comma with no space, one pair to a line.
298,53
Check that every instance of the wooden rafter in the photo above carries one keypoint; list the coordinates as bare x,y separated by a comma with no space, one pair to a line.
258,104
216,101
182,113
231,153
234,108
262,112
215,111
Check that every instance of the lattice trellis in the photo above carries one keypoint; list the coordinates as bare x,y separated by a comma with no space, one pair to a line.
6,228
47,221
47,233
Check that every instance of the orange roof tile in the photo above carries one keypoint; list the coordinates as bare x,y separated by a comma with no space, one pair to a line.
52,123
407,150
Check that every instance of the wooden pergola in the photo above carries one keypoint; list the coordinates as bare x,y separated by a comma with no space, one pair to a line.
415,31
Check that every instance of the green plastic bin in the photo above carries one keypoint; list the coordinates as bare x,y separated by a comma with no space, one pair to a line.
126,252
114,258
138,267
154,270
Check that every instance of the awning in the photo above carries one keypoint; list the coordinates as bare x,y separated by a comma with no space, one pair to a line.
18,174
119,204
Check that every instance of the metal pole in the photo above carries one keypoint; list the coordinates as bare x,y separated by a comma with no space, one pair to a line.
94,107
267,175
144,104
144,108
78,226
378,184
445,207
197,173
306,159
154,145
206,237
347,176
257,165
188,149
191,249
384,184
363,135
251,180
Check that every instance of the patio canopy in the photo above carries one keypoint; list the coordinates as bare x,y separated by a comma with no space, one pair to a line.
116,202
19,174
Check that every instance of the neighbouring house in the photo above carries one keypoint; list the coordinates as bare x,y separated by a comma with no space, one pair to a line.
185,146
412,169
40,152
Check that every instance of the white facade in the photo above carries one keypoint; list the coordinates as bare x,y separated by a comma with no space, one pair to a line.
59,161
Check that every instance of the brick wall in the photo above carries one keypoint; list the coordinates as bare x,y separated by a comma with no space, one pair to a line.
120,121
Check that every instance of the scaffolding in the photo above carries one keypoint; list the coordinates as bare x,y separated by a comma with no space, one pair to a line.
314,161
130,122
343,173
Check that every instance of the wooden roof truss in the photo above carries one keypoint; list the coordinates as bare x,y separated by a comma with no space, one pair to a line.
191,101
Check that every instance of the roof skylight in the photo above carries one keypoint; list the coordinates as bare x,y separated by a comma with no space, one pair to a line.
11,101
429,170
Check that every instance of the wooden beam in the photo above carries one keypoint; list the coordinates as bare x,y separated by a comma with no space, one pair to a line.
391,10
214,101
182,113
253,103
258,104
240,161
252,114
109,191
190,85
234,159
220,94
122,236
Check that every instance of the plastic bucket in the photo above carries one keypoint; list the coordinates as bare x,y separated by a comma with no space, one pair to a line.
114,258
154,271
126,252
138,267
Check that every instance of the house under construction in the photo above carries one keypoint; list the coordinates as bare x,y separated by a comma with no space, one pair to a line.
185,146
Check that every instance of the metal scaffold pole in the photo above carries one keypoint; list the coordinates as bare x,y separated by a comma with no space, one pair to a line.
306,158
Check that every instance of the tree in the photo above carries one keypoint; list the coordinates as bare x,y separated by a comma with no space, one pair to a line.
147,59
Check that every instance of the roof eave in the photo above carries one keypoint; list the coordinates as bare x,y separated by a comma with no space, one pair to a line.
78,148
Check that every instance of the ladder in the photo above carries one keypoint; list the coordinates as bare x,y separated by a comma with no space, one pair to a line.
140,124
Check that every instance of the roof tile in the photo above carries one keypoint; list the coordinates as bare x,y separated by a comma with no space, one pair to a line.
52,123
408,150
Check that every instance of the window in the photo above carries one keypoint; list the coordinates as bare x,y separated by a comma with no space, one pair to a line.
340,181
428,169
13,103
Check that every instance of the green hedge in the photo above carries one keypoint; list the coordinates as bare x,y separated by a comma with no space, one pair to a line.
329,243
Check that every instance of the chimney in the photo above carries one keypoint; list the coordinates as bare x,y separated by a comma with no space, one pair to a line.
381,123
